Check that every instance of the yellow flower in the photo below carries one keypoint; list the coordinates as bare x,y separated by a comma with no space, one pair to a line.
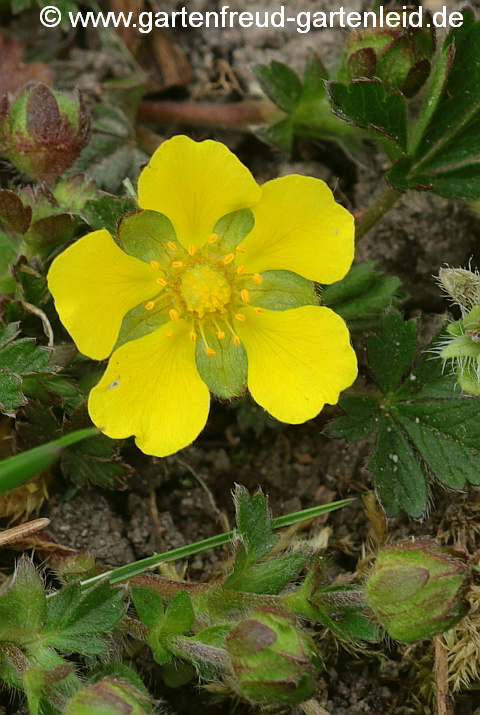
209,288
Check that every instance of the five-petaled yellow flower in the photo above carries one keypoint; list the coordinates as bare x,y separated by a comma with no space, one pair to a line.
208,287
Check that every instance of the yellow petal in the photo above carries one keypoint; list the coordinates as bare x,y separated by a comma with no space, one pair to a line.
298,360
195,184
299,227
94,284
151,389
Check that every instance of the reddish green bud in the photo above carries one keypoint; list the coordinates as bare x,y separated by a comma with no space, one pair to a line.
400,57
418,589
43,131
109,697
272,658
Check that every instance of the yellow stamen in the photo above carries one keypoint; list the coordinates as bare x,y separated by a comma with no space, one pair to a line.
240,317
192,250
257,278
212,238
177,264
170,334
172,246
229,258
161,282
220,334
174,314
155,264
240,249
210,352
245,295
236,340
241,270
193,336
150,305
207,350
259,311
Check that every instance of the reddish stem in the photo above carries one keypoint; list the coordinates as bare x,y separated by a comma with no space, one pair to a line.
238,114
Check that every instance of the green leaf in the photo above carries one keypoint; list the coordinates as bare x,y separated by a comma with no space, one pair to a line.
179,616
225,373
13,213
106,211
363,413
314,79
75,621
366,104
111,154
8,254
362,296
270,577
148,604
280,290
399,476
280,134
391,350
425,427
446,148
22,605
96,461
280,83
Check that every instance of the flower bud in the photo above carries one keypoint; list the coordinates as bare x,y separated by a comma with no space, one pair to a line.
43,131
109,697
418,589
463,349
400,57
461,285
271,658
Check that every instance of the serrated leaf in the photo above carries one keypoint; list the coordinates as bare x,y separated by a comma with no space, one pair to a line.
106,212
362,296
270,577
74,621
179,616
13,213
148,604
362,418
446,148
111,154
23,606
280,83
366,104
391,350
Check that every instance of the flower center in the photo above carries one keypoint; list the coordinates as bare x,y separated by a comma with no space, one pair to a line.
204,290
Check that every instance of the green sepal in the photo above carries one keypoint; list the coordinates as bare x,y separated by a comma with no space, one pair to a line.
139,322
145,235
231,231
225,373
280,290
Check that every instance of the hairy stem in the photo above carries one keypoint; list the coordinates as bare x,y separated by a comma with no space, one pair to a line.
367,219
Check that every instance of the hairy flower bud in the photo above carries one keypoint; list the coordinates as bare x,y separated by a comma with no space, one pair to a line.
461,285
400,57
417,589
43,131
462,348
271,658
109,697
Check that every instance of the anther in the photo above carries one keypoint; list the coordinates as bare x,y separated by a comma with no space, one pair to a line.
193,336
259,311
229,258
155,264
161,282
210,352
150,305
245,295
192,250
257,278
220,334
177,264
240,249
174,314
212,238
241,270
170,334
236,340
240,317
172,246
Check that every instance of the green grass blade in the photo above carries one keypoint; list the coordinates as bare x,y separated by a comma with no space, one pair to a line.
16,471
138,567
